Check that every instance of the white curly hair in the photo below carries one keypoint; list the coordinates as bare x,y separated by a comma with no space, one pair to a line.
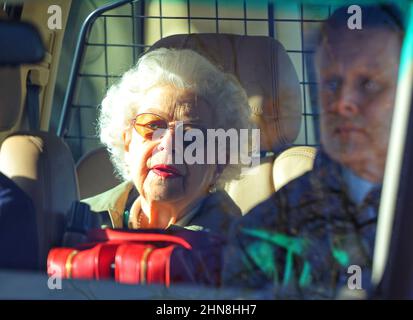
183,69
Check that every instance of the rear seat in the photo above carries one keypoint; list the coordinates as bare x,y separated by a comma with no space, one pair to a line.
42,165
263,67
39,163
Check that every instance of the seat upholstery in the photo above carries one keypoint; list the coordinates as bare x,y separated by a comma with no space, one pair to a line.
95,173
41,164
254,187
291,164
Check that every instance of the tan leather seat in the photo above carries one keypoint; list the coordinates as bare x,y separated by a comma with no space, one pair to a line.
291,164
41,164
254,187
95,173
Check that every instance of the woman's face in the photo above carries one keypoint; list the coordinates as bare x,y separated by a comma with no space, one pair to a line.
151,160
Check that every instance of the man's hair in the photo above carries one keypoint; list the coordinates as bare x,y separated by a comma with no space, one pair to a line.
385,16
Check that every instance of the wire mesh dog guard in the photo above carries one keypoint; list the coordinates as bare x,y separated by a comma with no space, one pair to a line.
114,36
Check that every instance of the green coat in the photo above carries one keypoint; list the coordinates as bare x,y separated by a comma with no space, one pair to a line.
216,213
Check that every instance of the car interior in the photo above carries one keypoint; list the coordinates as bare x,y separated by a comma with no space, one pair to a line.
54,74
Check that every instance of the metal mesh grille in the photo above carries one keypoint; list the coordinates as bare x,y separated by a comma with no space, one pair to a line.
119,36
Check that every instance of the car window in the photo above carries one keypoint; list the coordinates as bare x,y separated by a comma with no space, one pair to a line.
300,218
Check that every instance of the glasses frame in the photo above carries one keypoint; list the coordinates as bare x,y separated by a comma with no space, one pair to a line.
168,123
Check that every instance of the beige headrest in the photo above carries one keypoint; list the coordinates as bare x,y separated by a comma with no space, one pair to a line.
267,74
291,164
42,165
95,173
254,187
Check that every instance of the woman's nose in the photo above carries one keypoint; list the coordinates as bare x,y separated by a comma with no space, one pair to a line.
166,140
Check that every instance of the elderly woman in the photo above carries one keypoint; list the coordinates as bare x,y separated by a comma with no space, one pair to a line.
170,90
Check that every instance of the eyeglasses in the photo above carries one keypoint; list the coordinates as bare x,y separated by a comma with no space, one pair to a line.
146,124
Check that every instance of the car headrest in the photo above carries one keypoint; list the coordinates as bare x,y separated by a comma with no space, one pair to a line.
41,164
267,74
21,44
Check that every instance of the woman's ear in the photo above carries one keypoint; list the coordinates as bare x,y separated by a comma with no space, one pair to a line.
127,138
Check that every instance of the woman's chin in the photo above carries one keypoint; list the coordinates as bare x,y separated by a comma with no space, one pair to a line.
164,196
164,189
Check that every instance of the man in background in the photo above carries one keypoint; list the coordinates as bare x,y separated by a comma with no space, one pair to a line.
302,240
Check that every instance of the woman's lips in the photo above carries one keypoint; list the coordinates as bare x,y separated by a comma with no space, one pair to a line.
166,171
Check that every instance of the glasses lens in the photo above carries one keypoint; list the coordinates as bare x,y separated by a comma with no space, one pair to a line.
146,124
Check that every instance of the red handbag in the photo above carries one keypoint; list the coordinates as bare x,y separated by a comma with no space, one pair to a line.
93,263
141,257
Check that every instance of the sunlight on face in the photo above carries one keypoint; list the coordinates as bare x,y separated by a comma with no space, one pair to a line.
155,175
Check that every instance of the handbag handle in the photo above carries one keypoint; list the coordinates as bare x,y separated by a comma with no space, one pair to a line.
115,235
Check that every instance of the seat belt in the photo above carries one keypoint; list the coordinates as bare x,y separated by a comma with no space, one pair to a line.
36,79
32,103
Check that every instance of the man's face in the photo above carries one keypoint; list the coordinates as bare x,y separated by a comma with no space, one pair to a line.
357,85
